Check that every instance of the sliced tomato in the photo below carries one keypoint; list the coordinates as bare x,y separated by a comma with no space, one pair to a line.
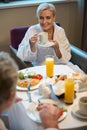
39,107
60,111
38,76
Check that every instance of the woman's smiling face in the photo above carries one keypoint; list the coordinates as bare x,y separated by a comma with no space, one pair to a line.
46,19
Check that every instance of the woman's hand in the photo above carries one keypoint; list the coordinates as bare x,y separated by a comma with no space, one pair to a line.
56,44
49,115
33,41
57,50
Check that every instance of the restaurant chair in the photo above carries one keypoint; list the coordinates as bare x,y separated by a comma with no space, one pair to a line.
16,36
79,57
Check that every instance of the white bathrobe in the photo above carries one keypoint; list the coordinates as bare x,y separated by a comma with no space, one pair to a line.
25,53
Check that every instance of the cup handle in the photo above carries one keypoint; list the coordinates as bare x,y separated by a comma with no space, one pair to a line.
38,38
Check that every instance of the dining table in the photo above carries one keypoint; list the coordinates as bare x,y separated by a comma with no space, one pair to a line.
19,116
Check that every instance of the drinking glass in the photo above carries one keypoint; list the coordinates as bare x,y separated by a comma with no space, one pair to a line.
69,91
49,65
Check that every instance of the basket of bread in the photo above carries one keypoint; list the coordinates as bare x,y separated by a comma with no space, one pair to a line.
57,82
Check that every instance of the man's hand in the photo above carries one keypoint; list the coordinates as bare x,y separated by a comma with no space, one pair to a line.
49,115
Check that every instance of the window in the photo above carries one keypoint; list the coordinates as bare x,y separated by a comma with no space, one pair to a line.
7,1
22,3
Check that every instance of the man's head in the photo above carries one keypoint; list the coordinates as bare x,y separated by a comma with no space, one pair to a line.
8,79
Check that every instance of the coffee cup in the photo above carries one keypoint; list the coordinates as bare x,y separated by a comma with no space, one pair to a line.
83,105
43,37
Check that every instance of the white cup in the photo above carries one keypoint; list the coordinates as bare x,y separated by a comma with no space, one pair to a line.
43,37
83,105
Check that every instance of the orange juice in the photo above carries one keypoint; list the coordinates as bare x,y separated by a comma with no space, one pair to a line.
69,90
49,66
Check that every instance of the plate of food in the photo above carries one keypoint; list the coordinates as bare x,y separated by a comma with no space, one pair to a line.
47,44
30,78
34,108
58,86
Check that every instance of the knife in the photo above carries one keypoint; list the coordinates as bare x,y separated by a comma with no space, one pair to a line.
29,93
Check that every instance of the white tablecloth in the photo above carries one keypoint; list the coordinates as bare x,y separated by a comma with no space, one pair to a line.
19,120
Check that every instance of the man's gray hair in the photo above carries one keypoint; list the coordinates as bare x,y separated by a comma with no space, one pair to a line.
9,75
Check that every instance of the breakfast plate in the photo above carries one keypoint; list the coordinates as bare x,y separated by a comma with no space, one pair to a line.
34,114
47,44
58,88
25,88
31,78
22,84
75,111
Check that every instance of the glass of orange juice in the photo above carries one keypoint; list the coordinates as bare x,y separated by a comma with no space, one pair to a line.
69,90
49,66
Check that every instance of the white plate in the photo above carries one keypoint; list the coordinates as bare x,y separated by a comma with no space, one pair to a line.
34,114
25,89
75,111
48,44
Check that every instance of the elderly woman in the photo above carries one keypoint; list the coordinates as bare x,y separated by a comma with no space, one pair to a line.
29,49
8,81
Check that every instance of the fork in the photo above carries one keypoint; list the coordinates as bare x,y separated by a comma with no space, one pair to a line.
29,93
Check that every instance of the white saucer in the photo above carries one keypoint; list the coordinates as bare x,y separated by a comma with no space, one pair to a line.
48,44
75,111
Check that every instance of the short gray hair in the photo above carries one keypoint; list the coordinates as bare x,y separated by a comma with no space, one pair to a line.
9,75
44,6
